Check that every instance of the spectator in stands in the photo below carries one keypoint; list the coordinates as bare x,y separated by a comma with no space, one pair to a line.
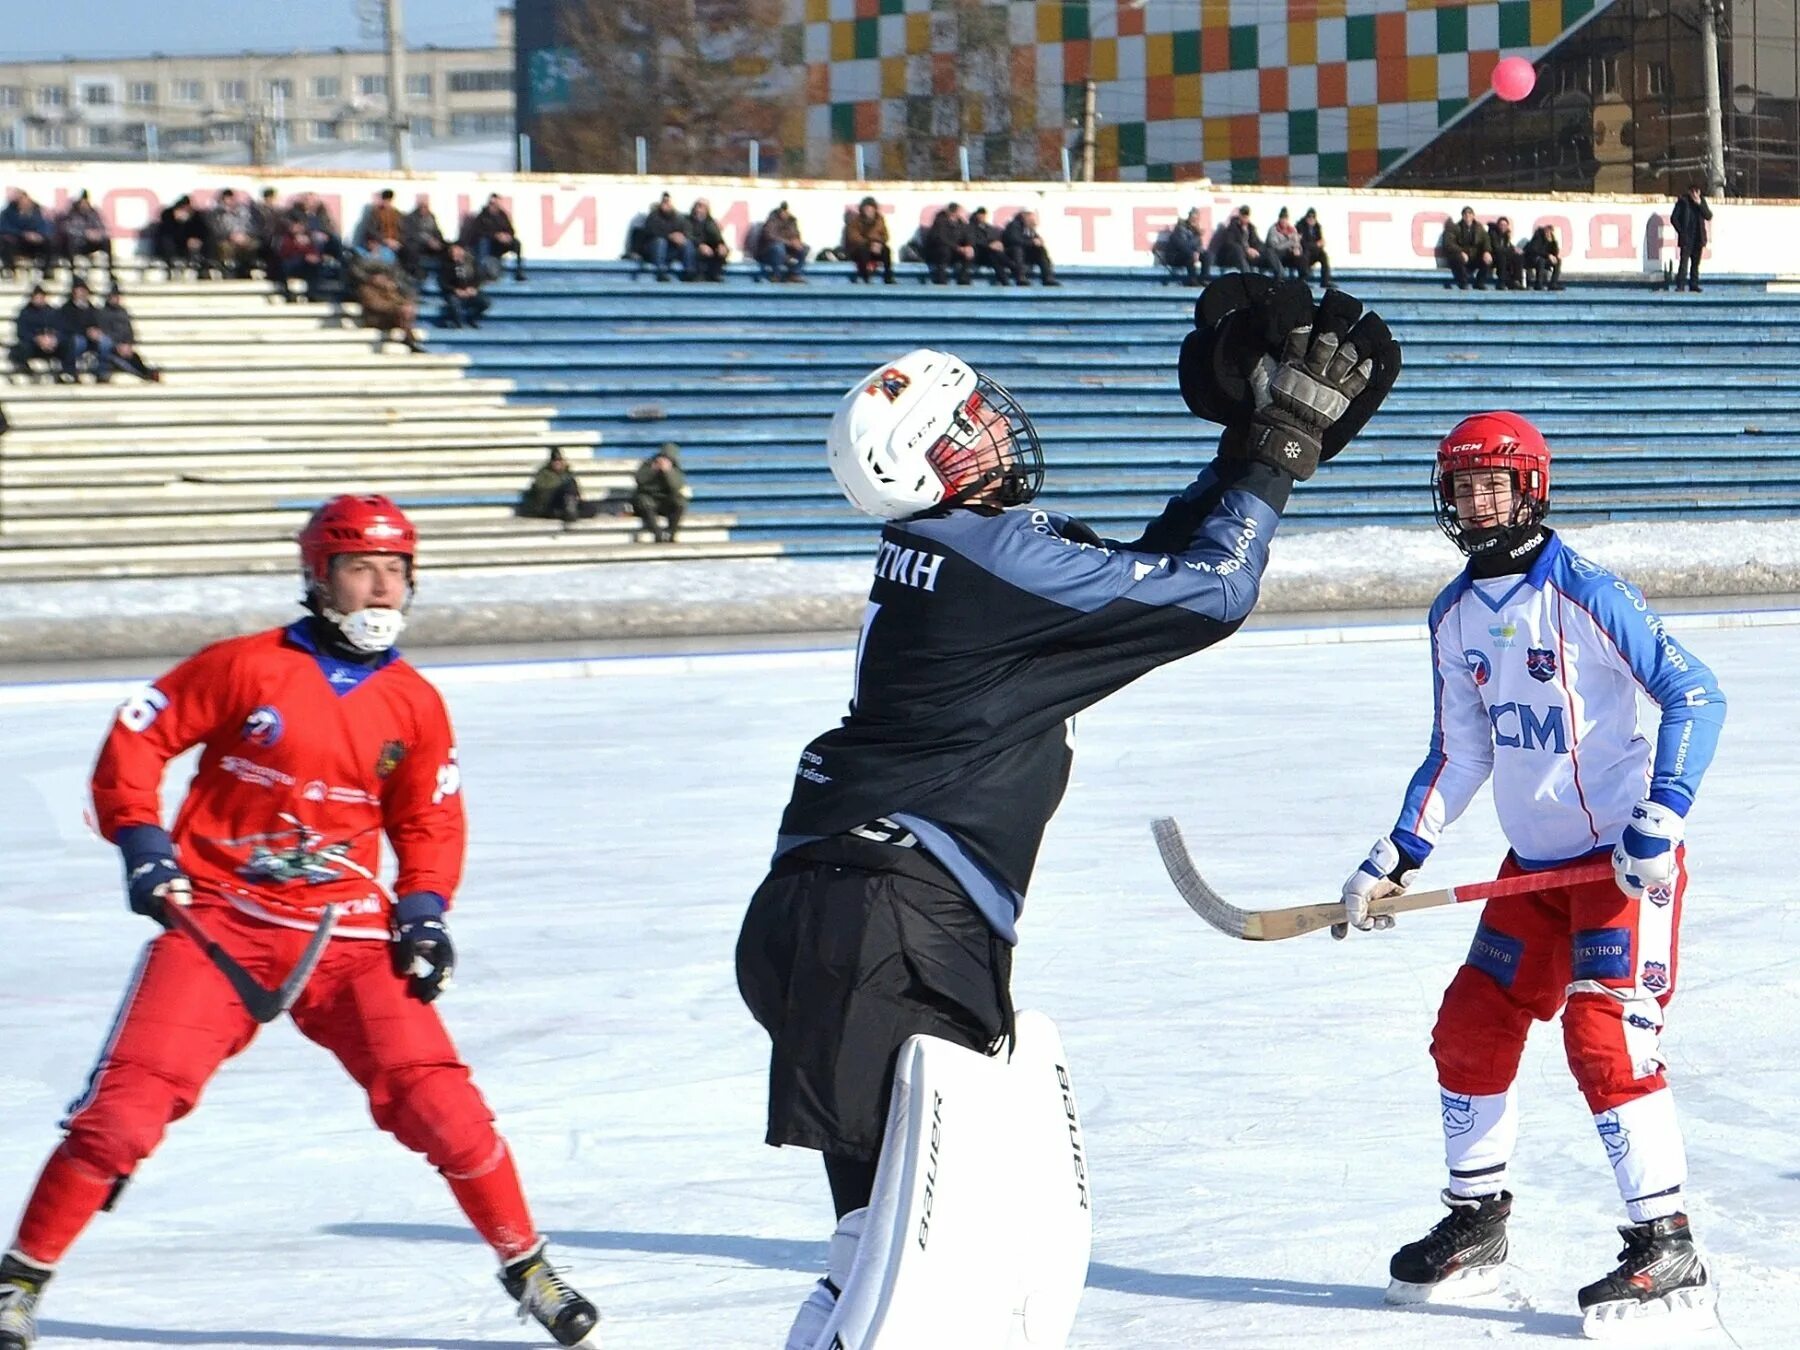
422,245
1465,251
1184,250
490,236
710,248
1509,266
298,259
1312,246
1026,247
1688,219
388,304
115,323
1236,244
866,243
37,335
316,216
271,225
459,281
662,490
948,246
1283,248
25,232
666,234
783,252
81,234
84,343
1543,259
183,239
554,493
237,239
380,229
990,249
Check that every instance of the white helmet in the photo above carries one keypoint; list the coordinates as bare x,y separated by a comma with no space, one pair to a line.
928,431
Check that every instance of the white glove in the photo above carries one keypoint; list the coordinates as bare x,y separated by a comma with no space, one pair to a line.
1645,854
1383,873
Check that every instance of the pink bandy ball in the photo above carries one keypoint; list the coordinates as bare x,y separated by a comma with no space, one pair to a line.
1514,78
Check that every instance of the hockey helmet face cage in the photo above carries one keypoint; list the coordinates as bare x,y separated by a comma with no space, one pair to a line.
990,451
927,431
1485,444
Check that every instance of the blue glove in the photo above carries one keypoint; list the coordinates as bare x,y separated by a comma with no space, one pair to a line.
422,950
153,879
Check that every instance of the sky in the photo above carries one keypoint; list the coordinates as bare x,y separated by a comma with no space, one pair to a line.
119,28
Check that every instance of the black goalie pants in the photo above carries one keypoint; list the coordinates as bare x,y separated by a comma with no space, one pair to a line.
848,948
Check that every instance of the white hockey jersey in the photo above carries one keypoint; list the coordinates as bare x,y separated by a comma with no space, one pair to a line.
1535,681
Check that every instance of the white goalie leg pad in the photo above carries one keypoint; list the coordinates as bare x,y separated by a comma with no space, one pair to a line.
821,1301
979,1229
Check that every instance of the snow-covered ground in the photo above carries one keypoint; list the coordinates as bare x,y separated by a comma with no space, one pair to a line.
1262,1120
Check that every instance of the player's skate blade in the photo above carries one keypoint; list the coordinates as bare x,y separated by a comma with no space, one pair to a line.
1661,1286
543,1293
1460,1258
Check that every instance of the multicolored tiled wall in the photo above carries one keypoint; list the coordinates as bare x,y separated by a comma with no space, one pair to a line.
1243,91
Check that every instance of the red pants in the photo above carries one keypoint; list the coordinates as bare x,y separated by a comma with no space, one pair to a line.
180,1021
1611,958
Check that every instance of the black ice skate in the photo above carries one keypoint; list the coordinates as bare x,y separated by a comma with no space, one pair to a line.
1460,1258
21,1286
1661,1277
543,1294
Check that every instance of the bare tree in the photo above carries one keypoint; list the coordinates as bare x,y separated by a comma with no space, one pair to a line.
697,79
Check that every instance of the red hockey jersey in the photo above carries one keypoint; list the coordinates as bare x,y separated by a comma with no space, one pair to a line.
307,760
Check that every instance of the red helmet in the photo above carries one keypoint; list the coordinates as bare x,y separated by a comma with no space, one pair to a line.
1493,440
350,524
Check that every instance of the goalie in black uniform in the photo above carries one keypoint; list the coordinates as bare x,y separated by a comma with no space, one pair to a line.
909,842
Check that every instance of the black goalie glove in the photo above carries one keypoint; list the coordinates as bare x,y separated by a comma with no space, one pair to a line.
1290,380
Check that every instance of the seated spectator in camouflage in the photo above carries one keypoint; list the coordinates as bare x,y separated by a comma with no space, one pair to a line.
81,234
237,241
459,281
25,233
990,248
184,239
554,493
389,305
1509,265
866,243
783,251
1184,251
1465,250
84,344
662,491
421,242
37,335
1026,247
1283,248
665,240
1543,260
380,229
710,248
115,323
1312,246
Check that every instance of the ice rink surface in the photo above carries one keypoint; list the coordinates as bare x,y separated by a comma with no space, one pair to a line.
1262,1119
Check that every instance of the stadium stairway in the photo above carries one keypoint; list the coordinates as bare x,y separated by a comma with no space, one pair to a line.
1657,405
266,409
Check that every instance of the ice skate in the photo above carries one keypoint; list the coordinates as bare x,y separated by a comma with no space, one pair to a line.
1661,1280
542,1293
1460,1258
21,1286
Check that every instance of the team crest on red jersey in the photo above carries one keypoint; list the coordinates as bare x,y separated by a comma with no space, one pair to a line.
392,752
263,726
